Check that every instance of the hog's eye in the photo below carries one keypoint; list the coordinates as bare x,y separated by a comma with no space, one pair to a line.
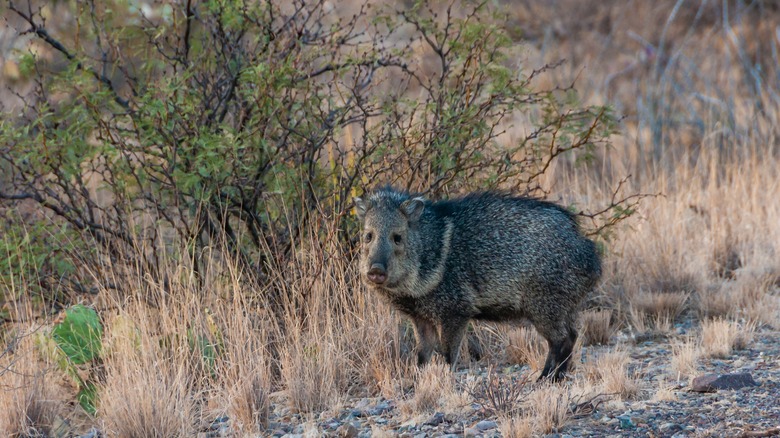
397,239
369,236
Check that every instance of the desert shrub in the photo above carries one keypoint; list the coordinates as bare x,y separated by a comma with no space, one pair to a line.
224,128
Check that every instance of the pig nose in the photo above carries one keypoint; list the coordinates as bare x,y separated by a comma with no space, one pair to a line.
377,274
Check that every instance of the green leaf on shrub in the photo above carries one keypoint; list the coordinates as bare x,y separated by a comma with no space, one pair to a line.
79,334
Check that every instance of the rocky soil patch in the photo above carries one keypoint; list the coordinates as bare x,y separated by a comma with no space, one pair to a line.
663,407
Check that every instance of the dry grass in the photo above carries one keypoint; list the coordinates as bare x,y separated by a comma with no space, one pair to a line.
685,356
144,396
546,409
525,346
433,388
378,432
311,373
655,312
610,371
750,295
500,395
597,328
519,426
644,324
456,403
661,305
244,371
548,406
717,301
386,365
151,379
664,392
28,408
720,336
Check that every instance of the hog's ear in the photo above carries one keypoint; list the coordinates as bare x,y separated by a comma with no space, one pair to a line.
360,207
413,208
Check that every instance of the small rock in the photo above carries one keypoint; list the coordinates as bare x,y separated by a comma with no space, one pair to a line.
471,431
281,426
380,408
347,431
714,382
670,427
486,425
218,422
435,420
421,435
363,403
625,422
93,433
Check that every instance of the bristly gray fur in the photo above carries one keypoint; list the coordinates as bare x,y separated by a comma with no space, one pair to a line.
486,256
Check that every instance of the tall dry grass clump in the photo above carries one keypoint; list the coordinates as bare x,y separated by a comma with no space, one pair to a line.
29,407
176,357
750,295
314,370
545,409
243,369
525,346
335,337
677,234
549,407
520,426
719,337
685,356
434,385
152,369
654,313
310,333
597,327
610,370
146,396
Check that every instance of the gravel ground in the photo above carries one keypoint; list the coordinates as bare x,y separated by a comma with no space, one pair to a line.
722,413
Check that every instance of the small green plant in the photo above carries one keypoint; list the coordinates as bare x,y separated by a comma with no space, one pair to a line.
79,335
77,342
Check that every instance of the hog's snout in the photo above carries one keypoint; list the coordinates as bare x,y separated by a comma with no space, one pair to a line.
377,274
